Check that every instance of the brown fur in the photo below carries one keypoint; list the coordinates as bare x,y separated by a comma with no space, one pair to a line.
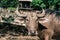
32,24
52,25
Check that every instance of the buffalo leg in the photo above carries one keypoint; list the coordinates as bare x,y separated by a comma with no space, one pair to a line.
47,34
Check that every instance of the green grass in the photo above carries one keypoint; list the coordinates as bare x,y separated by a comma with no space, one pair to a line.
11,8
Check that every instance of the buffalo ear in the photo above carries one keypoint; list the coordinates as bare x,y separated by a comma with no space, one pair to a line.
43,20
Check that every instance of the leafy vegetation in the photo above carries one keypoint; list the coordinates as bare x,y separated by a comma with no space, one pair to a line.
11,8
8,3
40,4
50,4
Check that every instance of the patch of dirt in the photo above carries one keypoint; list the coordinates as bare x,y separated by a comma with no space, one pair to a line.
10,37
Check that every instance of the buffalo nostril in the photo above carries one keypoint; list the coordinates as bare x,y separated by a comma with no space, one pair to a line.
35,33
32,32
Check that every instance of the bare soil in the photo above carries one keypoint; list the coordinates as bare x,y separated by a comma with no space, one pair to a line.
9,37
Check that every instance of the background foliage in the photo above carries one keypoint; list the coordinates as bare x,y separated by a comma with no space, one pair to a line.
50,4
8,3
38,4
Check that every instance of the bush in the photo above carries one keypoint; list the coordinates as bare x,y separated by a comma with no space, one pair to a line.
50,4
8,3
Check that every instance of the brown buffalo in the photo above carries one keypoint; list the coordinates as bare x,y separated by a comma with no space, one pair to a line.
52,24
32,22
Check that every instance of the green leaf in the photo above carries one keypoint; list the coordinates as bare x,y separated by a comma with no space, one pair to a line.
36,2
55,1
42,5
